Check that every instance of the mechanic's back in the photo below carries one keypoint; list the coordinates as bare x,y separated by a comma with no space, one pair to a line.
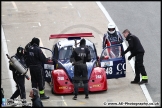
35,60
81,54
79,57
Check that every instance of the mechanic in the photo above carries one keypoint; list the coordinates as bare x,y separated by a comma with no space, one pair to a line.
79,57
35,60
36,102
18,77
137,50
113,36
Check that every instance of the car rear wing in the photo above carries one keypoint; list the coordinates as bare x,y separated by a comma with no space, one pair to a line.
71,36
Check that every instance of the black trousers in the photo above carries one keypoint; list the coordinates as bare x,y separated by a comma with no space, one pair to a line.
37,77
139,67
20,84
80,73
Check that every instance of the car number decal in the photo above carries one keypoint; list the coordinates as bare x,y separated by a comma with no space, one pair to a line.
49,66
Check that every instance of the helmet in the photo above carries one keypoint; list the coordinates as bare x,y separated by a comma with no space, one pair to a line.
35,40
20,51
111,28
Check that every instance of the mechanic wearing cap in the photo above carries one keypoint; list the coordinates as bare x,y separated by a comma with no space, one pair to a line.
79,57
18,77
113,36
34,60
36,102
137,50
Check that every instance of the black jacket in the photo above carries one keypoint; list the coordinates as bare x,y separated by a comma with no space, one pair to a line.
36,102
135,46
21,60
80,55
35,56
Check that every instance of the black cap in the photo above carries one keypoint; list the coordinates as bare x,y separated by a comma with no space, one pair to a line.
82,42
35,40
20,51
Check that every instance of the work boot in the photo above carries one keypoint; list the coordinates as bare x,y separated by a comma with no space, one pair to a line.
43,96
75,98
134,82
11,103
86,97
143,82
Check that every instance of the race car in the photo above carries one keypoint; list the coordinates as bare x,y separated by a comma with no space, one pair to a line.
59,69
62,70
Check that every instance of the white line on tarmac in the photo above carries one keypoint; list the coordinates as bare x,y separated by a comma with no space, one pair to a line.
70,3
11,23
63,100
5,51
39,23
79,13
23,23
14,4
143,86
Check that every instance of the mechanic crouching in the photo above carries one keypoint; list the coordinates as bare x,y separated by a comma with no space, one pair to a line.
36,102
79,57
34,60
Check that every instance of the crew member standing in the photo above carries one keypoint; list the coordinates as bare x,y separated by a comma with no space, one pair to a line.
35,59
18,77
79,57
137,50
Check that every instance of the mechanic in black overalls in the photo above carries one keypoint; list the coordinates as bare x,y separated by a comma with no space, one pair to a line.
79,57
18,77
137,50
112,37
35,59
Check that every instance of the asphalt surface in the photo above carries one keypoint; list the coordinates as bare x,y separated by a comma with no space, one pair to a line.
143,19
21,21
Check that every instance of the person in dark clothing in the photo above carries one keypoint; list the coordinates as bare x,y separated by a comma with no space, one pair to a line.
79,57
18,77
36,102
111,37
35,58
137,50
2,96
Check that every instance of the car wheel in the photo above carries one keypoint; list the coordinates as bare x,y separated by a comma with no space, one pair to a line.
52,90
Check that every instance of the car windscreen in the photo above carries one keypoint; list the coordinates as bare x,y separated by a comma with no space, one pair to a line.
112,52
65,52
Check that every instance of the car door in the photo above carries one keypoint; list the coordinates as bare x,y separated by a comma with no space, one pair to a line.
113,62
48,66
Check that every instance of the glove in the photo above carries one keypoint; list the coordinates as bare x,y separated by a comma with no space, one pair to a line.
129,57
